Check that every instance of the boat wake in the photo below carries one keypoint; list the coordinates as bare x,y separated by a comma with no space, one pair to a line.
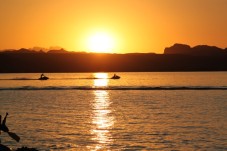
92,78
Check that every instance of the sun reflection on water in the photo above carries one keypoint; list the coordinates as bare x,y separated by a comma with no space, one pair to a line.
101,79
102,119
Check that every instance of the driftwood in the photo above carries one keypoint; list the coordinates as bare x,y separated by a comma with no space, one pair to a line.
4,128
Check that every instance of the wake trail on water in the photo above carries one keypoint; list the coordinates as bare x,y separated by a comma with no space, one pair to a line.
56,78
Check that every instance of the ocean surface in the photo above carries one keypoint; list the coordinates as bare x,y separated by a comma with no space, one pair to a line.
140,111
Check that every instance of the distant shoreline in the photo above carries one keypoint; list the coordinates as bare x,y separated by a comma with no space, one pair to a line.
68,62
178,58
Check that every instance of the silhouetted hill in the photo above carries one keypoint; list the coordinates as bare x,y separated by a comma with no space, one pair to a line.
90,62
57,51
178,49
201,50
179,57
22,50
34,50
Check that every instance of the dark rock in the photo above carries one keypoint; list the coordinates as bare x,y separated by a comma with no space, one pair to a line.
26,149
207,50
57,51
178,49
200,50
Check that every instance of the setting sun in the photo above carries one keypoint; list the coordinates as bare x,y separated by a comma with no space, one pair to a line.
100,42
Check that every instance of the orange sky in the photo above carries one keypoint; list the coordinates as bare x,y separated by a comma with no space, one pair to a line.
135,25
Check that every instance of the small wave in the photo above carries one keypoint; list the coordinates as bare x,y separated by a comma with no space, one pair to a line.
115,88
20,79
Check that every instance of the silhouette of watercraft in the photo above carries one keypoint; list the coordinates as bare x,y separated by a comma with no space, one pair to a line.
115,77
43,77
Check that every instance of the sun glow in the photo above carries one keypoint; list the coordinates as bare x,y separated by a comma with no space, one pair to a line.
101,43
101,79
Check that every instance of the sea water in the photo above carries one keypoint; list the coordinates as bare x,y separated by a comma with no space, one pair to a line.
139,111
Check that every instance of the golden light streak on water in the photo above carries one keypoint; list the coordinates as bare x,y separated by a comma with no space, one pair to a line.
102,79
102,119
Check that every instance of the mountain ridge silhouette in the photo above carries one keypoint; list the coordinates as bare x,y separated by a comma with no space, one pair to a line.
178,57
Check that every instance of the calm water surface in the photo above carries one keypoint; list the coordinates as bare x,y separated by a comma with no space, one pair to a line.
140,111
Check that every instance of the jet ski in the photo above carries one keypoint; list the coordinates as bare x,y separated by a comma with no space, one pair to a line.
43,77
115,77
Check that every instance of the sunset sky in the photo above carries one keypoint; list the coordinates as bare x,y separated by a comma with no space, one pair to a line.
118,26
